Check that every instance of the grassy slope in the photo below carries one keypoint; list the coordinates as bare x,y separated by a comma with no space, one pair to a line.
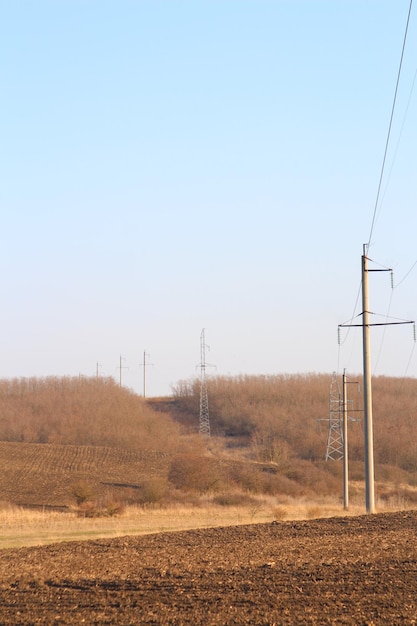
44,474
266,439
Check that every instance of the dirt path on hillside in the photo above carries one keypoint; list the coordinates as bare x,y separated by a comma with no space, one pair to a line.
359,570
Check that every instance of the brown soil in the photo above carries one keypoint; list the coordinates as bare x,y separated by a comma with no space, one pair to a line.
359,570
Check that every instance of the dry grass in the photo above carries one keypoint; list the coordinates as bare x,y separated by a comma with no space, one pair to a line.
27,527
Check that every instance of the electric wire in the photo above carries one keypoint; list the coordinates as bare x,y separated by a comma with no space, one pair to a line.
354,314
409,360
389,130
375,368
341,342
406,275
377,201
399,136
389,175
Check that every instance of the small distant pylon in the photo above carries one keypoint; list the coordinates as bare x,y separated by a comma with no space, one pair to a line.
335,446
204,428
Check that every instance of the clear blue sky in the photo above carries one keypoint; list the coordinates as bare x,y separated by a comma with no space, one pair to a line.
168,166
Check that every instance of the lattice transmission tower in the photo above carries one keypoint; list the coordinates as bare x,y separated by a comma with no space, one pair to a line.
335,442
204,407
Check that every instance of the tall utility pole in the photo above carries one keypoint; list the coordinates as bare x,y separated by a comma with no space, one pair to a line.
367,397
346,419
120,370
145,365
204,428
367,380
337,440
345,445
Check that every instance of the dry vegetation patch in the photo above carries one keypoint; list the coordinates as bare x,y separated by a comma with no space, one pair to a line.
90,443
81,411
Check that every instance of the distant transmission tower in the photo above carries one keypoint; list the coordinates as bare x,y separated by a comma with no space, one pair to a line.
335,437
204,408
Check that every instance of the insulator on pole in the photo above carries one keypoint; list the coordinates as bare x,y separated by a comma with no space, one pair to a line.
338,335
414,331
392,279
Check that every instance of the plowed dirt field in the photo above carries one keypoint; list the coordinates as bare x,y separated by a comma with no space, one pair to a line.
360,570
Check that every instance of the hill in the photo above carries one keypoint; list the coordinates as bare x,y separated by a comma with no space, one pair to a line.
282,415
73,439
81,411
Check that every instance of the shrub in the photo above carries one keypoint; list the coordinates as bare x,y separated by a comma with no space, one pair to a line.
112,507
313,512
153,490
234,499
247,476
269,448
82,491
95,508
88,509
279,512
194,472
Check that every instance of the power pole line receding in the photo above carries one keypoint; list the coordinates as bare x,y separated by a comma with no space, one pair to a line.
145,365
120,368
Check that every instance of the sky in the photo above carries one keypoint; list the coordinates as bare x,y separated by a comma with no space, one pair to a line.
169,166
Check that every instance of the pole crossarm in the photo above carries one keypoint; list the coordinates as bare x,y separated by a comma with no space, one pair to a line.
375,324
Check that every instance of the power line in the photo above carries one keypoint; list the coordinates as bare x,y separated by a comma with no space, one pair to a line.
383,334
400,135
351,318
389,128
411,355
406,275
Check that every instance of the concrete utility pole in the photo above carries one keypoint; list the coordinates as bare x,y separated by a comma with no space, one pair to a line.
145,365
346,419
345,445
144,373
367,379
367,399
120,370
